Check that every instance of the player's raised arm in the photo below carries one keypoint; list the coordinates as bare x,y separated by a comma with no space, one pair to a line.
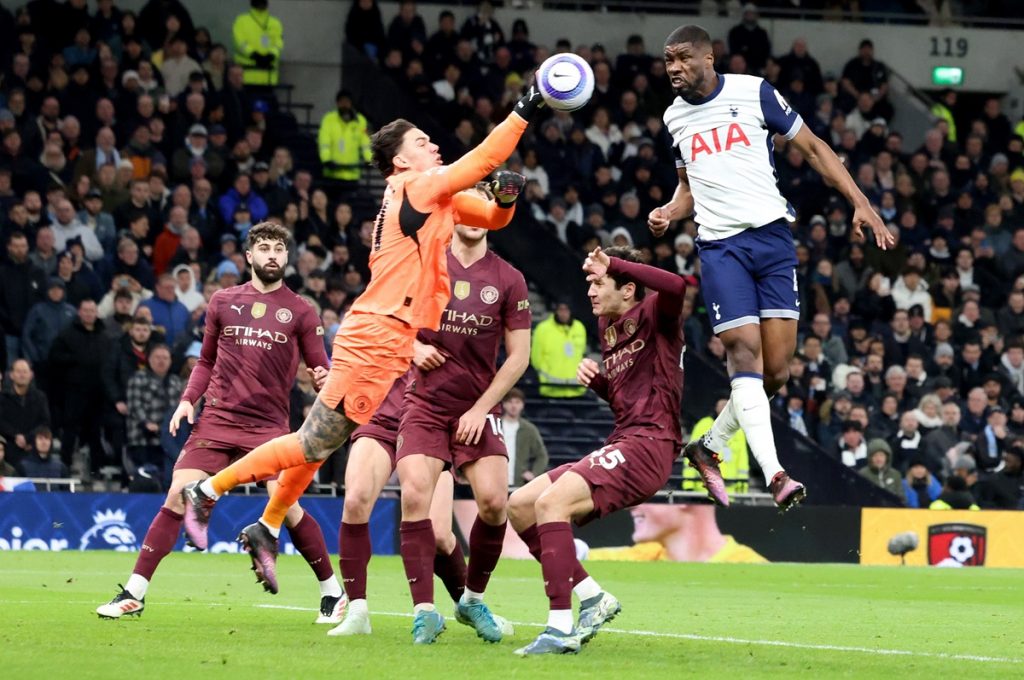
474,211
824,160
670,287
494,149
679,207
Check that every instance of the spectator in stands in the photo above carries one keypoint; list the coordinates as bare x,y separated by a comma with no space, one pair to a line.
851,448
906,443
259,41
407,30
344,142
483,32
239,193
559,344
920,485
151,396
879,469
955,496
22,284
177,66
66,227
44,323
99,222
364,28
864,73
527,455
6,469
23,408
169,239
196,146
942,439
798,64
750,40
169,316
187,288
993,440
1003,488
40,463
77,358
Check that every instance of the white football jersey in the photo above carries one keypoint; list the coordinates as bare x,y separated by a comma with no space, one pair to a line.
725,143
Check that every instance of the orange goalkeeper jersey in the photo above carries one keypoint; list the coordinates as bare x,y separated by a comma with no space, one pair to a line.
408,266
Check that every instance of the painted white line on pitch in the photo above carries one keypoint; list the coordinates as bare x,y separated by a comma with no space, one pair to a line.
731,640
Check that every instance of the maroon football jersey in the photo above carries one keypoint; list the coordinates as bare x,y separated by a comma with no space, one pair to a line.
488,298
642,375
250,355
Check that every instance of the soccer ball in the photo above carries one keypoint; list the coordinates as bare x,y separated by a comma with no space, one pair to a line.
565,81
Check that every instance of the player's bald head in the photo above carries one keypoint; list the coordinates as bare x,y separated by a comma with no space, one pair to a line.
692,34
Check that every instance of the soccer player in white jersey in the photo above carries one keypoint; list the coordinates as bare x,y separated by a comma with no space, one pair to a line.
722,128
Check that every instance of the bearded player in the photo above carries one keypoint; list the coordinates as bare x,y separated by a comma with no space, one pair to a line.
642,347
254,335
454,375
722,128
408,290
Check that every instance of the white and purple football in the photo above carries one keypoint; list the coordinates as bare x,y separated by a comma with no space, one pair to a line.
566,82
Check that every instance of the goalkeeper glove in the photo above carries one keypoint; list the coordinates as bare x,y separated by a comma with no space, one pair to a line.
530,102
506,187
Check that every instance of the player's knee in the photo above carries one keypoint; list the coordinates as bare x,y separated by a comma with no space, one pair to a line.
520,511
357,506
549,508
491,507
173,501
775,379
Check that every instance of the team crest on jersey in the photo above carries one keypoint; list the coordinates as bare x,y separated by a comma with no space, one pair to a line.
489,295
258,310
461,290
610,335
283,315
629,326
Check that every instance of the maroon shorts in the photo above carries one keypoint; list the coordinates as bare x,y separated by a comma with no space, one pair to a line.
212,447
382,434
425,431
624,473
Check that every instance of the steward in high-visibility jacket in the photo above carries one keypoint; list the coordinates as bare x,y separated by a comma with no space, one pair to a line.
343,140
259,39
559,344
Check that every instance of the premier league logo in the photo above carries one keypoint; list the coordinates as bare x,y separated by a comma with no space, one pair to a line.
956,545
110,531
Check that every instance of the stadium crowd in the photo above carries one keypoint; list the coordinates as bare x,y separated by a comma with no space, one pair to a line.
137,154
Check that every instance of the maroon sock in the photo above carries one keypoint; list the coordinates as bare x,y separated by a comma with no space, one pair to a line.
556,561
451,569
532,541
308,539
418,550
354,555
485,543
160,539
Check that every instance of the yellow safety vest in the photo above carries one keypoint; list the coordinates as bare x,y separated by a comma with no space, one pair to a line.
345,143
257,32
942,111
735,461
556,353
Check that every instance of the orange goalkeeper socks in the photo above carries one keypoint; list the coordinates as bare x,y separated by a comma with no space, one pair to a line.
292,483
261,463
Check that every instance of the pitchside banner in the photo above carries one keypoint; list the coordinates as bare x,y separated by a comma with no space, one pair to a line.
89,521
946,538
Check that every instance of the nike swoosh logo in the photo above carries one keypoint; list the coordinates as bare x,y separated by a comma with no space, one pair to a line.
749,409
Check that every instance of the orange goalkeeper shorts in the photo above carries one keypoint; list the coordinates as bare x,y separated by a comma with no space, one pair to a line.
369,353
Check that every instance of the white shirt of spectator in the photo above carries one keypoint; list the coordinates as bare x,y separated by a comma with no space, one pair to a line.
725,143
510,428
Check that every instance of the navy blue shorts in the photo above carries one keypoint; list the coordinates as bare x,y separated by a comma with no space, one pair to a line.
750,276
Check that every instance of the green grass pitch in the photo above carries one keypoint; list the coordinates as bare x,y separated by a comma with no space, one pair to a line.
206,617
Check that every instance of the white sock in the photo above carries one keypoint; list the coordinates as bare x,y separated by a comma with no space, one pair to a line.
276,531
206,486
754,414
423,607
358,607
723,429
472,596
587,588
137,586
330,587
561,620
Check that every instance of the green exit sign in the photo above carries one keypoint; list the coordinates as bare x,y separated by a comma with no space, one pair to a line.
947,75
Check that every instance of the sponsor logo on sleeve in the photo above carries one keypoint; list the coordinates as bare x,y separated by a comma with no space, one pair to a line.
319,330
